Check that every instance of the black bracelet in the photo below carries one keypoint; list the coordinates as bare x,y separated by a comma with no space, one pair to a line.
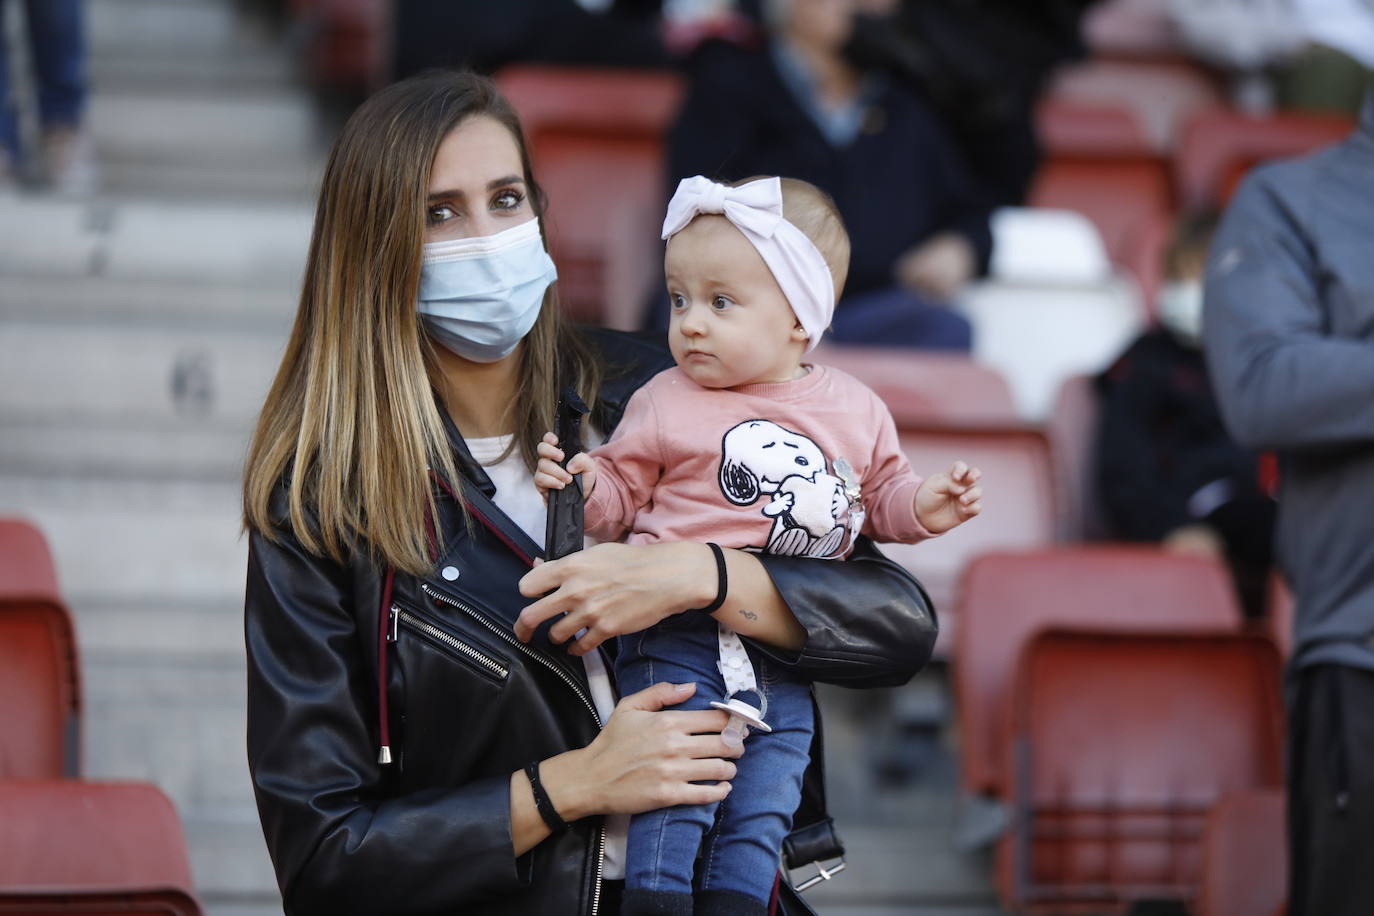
542,802
722,582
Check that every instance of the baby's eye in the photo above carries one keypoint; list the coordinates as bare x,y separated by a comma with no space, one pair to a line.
507,200
679,302
721,303
440,214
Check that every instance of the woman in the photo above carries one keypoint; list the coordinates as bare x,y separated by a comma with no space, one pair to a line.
418,734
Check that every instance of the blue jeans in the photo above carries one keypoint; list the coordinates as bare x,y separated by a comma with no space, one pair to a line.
735,845
58,50
899,318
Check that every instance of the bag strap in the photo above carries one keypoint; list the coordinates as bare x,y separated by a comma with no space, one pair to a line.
813,840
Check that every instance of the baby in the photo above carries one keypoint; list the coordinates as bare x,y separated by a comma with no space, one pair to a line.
744,445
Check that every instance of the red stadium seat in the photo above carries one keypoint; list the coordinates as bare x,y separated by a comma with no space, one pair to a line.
1162,92
596,141
1121,744
39,690
1217,147
1016,466
1006,598
1244,862
344,42
1122,194
924,388
1072,429
92,848
1279,616
1086,128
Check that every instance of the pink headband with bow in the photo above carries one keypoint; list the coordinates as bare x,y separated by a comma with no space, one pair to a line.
755,209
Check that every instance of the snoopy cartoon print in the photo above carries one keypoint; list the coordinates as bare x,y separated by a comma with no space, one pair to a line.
808,504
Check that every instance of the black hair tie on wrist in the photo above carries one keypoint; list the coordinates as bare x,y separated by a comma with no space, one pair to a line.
722,582
542,802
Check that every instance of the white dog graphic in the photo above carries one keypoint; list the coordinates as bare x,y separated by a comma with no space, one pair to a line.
808,505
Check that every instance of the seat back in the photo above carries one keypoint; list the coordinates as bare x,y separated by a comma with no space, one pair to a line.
1218,146
39,690
596,142
1121,744
926,388
1161,92
344,42
1005,599
1244,862
1072,430
1016,462
1038,335
1122,194
1090,128
78,847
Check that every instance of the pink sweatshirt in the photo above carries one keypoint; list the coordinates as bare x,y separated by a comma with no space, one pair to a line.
759,466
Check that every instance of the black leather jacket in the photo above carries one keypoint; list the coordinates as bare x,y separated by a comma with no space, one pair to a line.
468,704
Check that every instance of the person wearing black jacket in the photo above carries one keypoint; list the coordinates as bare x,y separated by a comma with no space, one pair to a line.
796,107
414,747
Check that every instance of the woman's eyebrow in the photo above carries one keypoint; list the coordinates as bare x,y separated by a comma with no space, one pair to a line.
491,186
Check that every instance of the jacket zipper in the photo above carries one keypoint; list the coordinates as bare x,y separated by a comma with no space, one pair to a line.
519,646
410,620
563,676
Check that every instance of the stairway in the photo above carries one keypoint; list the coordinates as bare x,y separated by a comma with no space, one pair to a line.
139,331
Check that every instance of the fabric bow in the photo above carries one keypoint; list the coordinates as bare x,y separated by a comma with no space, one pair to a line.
755,209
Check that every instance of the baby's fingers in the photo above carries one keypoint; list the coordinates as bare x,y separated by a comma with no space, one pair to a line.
549,450
971,496
549,476
579,463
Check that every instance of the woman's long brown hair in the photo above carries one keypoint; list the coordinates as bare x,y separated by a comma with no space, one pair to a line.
351,426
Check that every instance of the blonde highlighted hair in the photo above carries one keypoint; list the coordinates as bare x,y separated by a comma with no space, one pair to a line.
351,426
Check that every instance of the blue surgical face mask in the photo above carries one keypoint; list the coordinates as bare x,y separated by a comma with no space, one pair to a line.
479,297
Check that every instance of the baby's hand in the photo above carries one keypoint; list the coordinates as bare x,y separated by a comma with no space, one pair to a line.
550,475
948,499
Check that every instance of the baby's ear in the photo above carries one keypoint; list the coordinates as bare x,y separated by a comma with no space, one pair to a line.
799,333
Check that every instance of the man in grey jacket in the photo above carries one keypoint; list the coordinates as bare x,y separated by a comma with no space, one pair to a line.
1289,329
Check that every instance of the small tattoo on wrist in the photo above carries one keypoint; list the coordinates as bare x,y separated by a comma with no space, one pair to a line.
748,615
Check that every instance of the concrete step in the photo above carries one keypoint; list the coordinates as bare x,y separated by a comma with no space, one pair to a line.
192,449
70,299
190,244
137,541
129,374
202,27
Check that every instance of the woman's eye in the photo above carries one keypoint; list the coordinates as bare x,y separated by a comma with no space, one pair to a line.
439,215
507,200
720,303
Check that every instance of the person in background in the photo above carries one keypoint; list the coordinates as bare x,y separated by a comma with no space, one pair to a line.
1289,330
983,65
1168,471
796,106
57,49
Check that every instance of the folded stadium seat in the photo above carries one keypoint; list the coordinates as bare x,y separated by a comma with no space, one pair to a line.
1121,743
1218,146
925,388
1015,463
1038,334
1072,431
596,141
1279,615
1006,598
1090,128
92,848
39,688
1162,91
1121,194
1244,859
1138,29
344,42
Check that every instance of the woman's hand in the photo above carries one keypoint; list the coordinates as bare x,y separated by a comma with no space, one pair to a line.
646,758
613,589
948,499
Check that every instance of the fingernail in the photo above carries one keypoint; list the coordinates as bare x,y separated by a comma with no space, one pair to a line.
681,688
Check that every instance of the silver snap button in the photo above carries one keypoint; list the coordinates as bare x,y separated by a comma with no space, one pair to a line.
449,572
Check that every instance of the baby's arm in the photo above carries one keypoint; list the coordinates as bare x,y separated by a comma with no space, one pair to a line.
550,475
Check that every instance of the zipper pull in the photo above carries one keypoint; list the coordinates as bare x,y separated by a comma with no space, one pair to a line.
395,619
